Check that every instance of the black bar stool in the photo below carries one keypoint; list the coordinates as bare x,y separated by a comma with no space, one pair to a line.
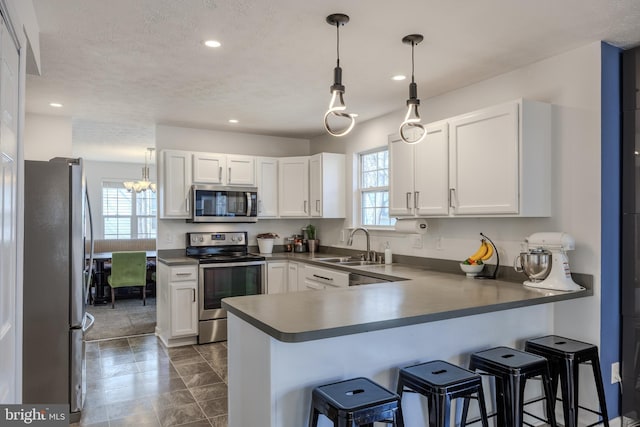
354,402
441,382
511,369
565,356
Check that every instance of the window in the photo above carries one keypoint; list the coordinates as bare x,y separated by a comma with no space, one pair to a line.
374,188
127,215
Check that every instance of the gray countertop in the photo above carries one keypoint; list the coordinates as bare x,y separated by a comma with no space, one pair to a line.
427,296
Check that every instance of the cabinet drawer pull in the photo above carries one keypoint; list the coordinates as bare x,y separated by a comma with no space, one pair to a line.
322,277
408,199
194,295
183,274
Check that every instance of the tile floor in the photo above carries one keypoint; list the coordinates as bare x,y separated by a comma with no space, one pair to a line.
136,381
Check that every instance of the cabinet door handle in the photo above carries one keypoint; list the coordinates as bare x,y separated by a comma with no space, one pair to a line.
305,206
194,295
188,204
318,206
220,174
416,199
259,206
452,195
229,175
323,278
408,200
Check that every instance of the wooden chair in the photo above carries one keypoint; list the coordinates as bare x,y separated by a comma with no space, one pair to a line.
128,269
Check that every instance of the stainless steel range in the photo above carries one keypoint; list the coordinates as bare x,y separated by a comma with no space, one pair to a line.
226,269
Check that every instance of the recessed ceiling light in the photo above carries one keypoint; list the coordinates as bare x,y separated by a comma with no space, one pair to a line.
399,77
55,104
212,43
233,121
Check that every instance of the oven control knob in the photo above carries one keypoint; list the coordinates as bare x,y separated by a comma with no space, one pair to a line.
239,239
201,239
233,238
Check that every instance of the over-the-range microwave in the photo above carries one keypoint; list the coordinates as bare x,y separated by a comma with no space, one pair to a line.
213,203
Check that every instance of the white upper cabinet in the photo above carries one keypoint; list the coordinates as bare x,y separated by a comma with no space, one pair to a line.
293,187
500,161
223,169
327,185
175,184
419,174
241,170
491,162
267,183
209,168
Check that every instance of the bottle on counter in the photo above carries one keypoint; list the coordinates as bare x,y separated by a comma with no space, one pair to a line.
387,253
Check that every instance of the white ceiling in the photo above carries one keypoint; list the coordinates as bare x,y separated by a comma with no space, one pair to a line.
121,66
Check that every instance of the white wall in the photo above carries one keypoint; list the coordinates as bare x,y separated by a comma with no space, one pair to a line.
46,137
571,82
97,172
171,233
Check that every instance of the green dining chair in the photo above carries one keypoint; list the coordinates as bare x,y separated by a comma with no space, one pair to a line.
128,269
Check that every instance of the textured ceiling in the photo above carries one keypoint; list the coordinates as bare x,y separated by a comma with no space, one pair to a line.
121,66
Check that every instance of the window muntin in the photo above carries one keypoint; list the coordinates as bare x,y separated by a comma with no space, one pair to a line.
128,215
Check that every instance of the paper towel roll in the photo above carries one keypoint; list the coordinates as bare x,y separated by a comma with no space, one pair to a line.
412,226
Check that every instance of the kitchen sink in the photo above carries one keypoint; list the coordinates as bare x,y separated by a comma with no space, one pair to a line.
349,261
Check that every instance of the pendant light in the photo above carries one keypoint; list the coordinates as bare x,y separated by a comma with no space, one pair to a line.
336,105
411,130
144,184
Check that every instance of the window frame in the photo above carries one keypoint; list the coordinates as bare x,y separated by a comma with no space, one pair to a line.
133,215
361,190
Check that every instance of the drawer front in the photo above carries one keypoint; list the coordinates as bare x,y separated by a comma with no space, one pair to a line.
180,274
326,276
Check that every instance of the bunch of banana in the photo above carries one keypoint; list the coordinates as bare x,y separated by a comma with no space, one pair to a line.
484,252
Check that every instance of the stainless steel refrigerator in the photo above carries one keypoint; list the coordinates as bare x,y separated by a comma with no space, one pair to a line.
630,253
56,214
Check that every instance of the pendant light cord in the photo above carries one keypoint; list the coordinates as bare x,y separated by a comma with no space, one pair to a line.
412,61
338,44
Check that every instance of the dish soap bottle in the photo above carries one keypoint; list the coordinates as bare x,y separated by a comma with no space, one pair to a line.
387,253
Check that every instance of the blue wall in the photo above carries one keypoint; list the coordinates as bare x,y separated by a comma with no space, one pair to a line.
610,199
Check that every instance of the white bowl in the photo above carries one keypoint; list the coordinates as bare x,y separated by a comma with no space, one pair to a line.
472,270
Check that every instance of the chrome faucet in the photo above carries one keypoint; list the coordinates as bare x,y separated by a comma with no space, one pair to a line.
368,256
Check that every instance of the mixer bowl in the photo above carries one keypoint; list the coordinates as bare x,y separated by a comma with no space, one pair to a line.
535,264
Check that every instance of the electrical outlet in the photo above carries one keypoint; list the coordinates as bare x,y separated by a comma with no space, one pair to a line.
417,241
615,373
342,236
168,238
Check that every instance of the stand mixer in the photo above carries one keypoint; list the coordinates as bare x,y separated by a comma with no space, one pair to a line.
559,277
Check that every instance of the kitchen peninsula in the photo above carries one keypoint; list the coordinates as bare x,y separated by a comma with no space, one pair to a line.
281,346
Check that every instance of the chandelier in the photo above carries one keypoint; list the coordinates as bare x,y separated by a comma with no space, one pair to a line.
144,184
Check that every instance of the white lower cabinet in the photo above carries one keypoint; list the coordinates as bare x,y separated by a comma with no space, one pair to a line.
323,278
292,276
177,304
277,272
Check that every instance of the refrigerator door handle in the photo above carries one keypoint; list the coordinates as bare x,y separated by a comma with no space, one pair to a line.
91,250
88,322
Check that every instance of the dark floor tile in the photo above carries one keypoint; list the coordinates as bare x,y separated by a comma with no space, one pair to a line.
115,351
215,407
194,368
115,343
171,399
92,354
146,419
180,415
142,340
94,398
222,371
117,360
150,354
187,359
208,392
201,423
118,370
129,408
181,351
220,421
161,385
93,415
200,379
98,424
161,367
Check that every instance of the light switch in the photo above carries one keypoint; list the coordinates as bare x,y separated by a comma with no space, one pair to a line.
417,241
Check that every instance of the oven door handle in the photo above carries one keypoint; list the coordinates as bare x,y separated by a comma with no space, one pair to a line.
232,264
